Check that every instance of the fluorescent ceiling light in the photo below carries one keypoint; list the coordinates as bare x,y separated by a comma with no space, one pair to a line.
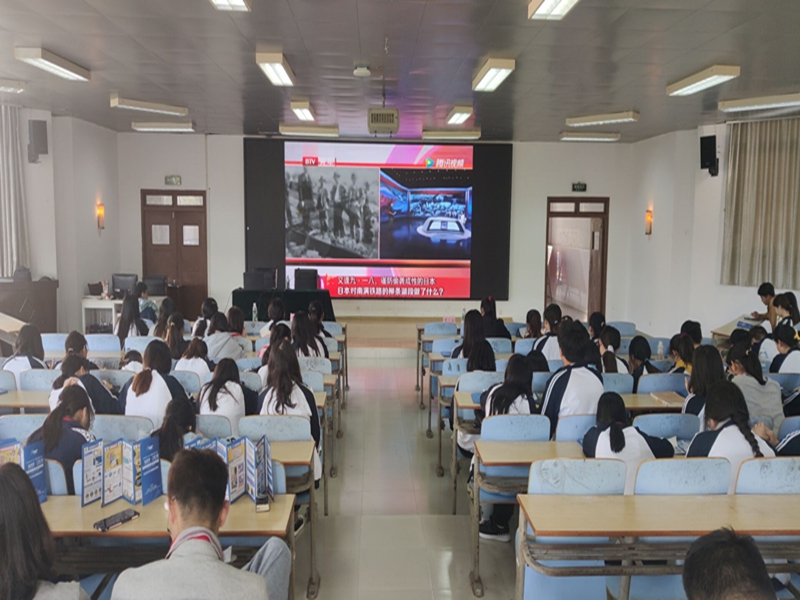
8,86
151,107
302,108
178,127
762,103
628,116
703,80
492,74
232,5
451,134
52,63
308,130
276,68
459,114
550,10
568,136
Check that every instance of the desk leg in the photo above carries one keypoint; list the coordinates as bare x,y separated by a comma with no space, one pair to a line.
346,361
339,431
429,433
417,364
475,519
331,437
422,380
343,385
290,543
454,463
439,467
520,588
313,579
326,448
625,580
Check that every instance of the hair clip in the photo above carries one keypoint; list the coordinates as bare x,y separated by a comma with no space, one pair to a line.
610,348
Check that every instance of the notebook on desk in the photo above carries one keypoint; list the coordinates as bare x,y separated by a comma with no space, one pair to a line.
668,398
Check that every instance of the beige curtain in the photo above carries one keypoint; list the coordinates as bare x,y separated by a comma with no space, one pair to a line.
14,250
762,204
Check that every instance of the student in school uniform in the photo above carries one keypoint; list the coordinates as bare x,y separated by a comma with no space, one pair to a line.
236,327
195,359
278,334
223,395
317,315
639,354
219,341
132,361
614,437
548,343
208,309
129,323
159,328
473,334
149,392
174,336
492,326
575,388
66,430
728,434
75,371
533,325
763,344
786,308
681,349
512,397
788,446
694,330
147,308
788,359
304,341
178,427
276,311
597,321
763,396
608,343
76,344
480,359
707,369
28,352
766,291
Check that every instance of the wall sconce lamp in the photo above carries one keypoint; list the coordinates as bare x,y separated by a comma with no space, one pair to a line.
100,211
648,222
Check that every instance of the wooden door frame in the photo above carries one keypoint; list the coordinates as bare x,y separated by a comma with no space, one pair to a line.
576,214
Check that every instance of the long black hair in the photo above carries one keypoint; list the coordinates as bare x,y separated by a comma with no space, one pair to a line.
681,345
726,401
75,343
538,361
225,371
280,332
473,332
197,349
217,323
129,318
29,342
70,367
611,340
174,334
489,308
317,315
284,373
533,321
597,321
785,334
179,419
481,358
552,316
743,354
611,412
236,320
517,382
156,358
640,350
788,302
707,369
303,333
208,309
276,310
73,400
164,313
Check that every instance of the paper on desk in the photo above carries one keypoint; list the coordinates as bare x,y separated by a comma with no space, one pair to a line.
668,398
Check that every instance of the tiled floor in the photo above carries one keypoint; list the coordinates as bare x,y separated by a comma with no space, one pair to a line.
390,534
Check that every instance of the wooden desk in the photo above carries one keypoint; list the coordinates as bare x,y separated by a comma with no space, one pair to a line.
293,453
724,331
107,356
647,403
19,401
465,401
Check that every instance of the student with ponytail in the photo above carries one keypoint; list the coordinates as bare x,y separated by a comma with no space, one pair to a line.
164,313
236,327
208,309
180,421
492,326
597,322
614,437
223,395
681,349
707,369
639,354
533,325
66,430
129,323
763,396
304,338
763,345
473,335
786,309
195,359
76,344
480,359
220,342
174,336
608,342
28,352
278,334
548,343
75,371
788,358
729,435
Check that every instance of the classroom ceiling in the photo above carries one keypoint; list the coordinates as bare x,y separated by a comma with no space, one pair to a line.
605,56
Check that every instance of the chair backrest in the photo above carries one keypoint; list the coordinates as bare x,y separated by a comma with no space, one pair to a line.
20,427
189,380
115,377
440,328
478,381
332,327
500,345
444,347
577,477
516,428
654,345
787,381
331,344
662,382
249,364
524,346
77,477
102,342
214,426
513,327
683,477
260,343
572,428
788,425
540,380
139,343
555,365
625,328
622,383
663,365
709,342
38,380
56,479
277,428
253,327
114,427
315,363
668,425
251,381
454,366
500,365
624,347
53,342
769,476
314,380
7,381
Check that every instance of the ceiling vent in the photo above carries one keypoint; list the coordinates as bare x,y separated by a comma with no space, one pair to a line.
384,121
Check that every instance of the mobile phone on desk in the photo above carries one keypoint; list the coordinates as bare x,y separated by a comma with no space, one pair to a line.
116,520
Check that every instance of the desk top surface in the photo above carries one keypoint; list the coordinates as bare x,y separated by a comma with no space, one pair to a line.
66,517
577,516
292,453
439,358
320,398
727,329
521,453
10,324
464,401
25,399
666,401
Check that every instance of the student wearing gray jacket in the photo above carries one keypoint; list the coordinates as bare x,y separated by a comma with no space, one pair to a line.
219,341
763,396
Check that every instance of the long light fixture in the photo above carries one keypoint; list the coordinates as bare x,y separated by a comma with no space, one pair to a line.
52,63
492,73
8,86
629,116
151,107
550,10
568,136
303,110
451,134
276,68
309,130
762,103
459,114
703,80
232,5
177,127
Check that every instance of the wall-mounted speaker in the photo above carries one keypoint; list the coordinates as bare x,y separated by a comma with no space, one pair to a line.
708,154
37,140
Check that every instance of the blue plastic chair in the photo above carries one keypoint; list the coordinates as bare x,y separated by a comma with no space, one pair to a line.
7,381
624,347
477,381
625,328
788,425
555,365
253,327
437,328
56,479
251,380
500,345
260,343
54,342
114,427
500,365
540,382
20,427
450,367
769,476
115,377
443,348
139,343
332,327
524,346
668,425
189,380
513,328
214,426
572,428
331,344
654,345
663,365
573,477
38,380
622,383
249,364
788,381
102,342
662,382
314,363
314,380
709,342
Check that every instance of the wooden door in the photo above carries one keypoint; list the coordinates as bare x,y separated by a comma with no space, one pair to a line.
174,244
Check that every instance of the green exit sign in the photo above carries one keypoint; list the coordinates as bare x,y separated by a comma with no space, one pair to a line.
578,187
172,180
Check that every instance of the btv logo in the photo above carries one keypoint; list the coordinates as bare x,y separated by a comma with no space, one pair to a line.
310,161
429,162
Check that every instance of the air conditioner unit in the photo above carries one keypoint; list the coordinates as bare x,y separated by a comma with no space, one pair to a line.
383,120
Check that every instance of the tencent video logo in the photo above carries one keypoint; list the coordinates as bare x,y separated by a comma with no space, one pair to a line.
429,163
